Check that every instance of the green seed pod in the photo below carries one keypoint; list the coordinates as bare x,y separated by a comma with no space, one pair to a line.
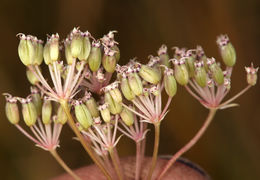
94,59
105,113
53,42
31,77
76,45
46,54
189,60
170,84
227,50
127,117
109,60
37,100
46,112
113,106
61,116
11,110
92,106
83,56
135,83
29,112
117,54
126,90
27,48
68,55
180,72
200,74
216,71
150,74
39,53
163,55
251,75
83,115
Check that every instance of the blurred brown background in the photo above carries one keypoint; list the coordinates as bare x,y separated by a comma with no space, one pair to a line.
230,149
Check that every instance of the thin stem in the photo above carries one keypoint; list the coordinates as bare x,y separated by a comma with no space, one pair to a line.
138,161
88,149
63,164
236,96
155,150
193,141
166,107
116,163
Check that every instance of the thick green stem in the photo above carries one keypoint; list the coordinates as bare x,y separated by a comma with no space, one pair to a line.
155,150
63,164
193,141
116,163
88,149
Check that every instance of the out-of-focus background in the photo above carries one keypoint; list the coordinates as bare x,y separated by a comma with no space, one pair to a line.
230,149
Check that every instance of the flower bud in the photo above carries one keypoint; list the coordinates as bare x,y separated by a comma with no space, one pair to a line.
127,117
83,56
76,45
91,105
11,109
29,112
37,100
251,75
135,83
53,42
109,60
105,113
163,55
31,77
27,49
113,106
126,90
169,81
200,74
216,71
83,115
149,74
180,72
46,111
94,59
61,116
227,50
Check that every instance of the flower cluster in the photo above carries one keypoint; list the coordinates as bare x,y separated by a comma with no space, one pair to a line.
98,106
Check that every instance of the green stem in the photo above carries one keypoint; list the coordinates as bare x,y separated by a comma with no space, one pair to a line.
193,141
88,149
155,150
116,163
63,164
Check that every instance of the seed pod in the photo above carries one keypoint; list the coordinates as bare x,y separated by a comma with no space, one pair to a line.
117,53
227,50
83,115
11,110
180,72
29,112
68,54
200,74
163,55
94,59
27,49
85,48
190,64
53,42
216,71
46,112
135,83
37,100
76,45
113,106
46,54
126,90
149,74
61,116
109,60
38,53
31,77
92,107
170,83
105,113
127,117
251,75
